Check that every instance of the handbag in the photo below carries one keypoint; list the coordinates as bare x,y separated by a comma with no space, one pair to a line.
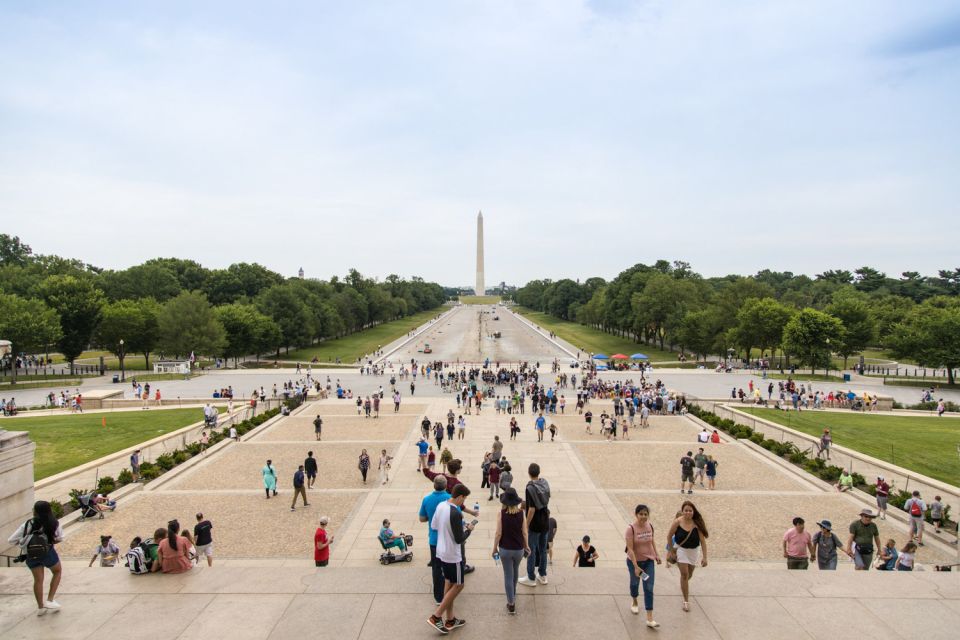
672,552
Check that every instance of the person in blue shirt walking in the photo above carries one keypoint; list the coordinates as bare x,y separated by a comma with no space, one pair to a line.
427,508
298,489
540,424
422,447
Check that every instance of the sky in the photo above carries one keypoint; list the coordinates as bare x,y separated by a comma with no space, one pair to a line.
593,134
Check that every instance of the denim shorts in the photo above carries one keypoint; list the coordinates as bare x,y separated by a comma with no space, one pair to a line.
49,561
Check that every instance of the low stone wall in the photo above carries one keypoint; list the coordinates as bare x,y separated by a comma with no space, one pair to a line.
16,482
854,461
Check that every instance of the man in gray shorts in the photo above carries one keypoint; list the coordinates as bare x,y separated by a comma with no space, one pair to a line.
687,466
700,462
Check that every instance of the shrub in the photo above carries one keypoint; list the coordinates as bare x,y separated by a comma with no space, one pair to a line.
797,457
932,405
831,474
57,507
151,473
193,448
106,484
756,438
179,457
124,477
858,480
75,497
146,465
166,462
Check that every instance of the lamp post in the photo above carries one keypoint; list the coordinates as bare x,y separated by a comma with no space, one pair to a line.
123,373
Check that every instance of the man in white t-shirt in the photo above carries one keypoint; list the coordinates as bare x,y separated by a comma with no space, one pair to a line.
451,534
916,508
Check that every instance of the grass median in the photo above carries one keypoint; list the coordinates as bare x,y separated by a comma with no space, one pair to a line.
921,444
361,343
66,441
588,339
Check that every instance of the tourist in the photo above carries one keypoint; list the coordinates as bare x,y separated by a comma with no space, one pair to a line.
321,543
396,401
642,558
269,479
310,468
298,488
389,539
700,463
539,425
686,472
703,436
364,464
37,538
826,441
203,534
493,478
425,426
711,470
585,555
588,419
887,559
173,552
438,434
551,534
450,428
553,432
514,428
452,533
427,508
431,458
422,447
860,544
135,465
445,457
204,442
496,449
797,544
318,426
510,543
384,466
537,500
107,551
916,507
825,546
715,437
845,483
936,513
883,493
907,557
461,428
233,433
506,475
644,416
687,546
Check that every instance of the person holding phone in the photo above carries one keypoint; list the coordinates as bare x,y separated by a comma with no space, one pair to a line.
510,544
586,555
451,535
642,558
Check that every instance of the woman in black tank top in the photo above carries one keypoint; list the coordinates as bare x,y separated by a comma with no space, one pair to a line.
688,538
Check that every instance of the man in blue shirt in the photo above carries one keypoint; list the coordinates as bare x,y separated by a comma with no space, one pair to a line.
540,424
427,509
422,446
298,489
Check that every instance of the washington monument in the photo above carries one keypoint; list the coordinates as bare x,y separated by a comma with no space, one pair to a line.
480,288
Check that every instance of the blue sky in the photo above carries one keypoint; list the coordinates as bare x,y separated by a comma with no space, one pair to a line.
594,134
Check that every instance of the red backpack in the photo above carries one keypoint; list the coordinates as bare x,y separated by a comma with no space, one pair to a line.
915,509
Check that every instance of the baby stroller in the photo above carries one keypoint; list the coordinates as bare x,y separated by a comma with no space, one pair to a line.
88,508
389,557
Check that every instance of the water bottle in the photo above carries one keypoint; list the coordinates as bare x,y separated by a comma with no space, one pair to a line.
496,559
476,507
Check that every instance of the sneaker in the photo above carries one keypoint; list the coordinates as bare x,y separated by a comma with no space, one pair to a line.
634,609
527,582
41,611
542,579
454,623
293,508
53,605
437,624
689,491
512,609
653,624
468,568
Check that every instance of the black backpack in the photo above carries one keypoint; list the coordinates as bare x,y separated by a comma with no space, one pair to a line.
38,544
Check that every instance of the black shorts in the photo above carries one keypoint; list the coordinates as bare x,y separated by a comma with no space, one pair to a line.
312,476
452,571
686,477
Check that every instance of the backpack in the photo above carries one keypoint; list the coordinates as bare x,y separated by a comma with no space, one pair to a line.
38,544
915,509
137,560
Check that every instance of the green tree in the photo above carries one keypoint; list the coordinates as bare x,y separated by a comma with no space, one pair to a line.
120,320
146,339
282,303
248,330
760,324
28,324
859,324
931,334
78,304
188,324
700,331
810,336
13,252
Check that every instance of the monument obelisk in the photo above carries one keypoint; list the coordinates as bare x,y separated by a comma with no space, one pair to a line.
480,288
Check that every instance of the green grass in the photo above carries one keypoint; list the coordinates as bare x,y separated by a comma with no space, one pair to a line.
819,377
351,347
59,382
479,299
66,441
924,445
588,339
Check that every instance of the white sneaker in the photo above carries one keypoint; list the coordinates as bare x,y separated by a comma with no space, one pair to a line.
52,605
527,582
542,579
41,611
634,609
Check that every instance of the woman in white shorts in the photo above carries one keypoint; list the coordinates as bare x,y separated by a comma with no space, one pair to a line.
688,542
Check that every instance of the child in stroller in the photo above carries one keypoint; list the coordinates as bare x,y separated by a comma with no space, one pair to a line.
94,504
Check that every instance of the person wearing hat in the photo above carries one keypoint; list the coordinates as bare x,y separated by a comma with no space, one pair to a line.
510,543
825,545
864,538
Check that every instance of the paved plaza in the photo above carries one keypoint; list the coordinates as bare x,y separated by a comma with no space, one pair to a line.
263,583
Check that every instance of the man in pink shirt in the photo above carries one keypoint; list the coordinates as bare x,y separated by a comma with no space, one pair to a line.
797,546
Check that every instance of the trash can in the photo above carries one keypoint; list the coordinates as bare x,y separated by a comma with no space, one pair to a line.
846,377
116,379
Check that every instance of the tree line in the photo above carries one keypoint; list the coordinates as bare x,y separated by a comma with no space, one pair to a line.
178,307
808,319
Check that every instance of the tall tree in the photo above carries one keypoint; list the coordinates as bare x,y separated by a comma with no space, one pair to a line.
810,336
28,325
760,324
931,334
78,304
188,325
859,324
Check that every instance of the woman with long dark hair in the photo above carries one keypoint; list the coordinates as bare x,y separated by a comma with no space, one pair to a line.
642,558
174,551
687,546
29,538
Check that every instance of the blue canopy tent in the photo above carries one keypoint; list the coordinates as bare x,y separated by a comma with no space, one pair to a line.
639,356
600,356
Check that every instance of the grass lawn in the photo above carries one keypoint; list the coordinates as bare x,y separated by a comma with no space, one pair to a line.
351,347
479,299
65,441
925,445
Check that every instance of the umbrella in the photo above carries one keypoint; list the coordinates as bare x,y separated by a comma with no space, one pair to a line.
639,356
619,356
600,356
